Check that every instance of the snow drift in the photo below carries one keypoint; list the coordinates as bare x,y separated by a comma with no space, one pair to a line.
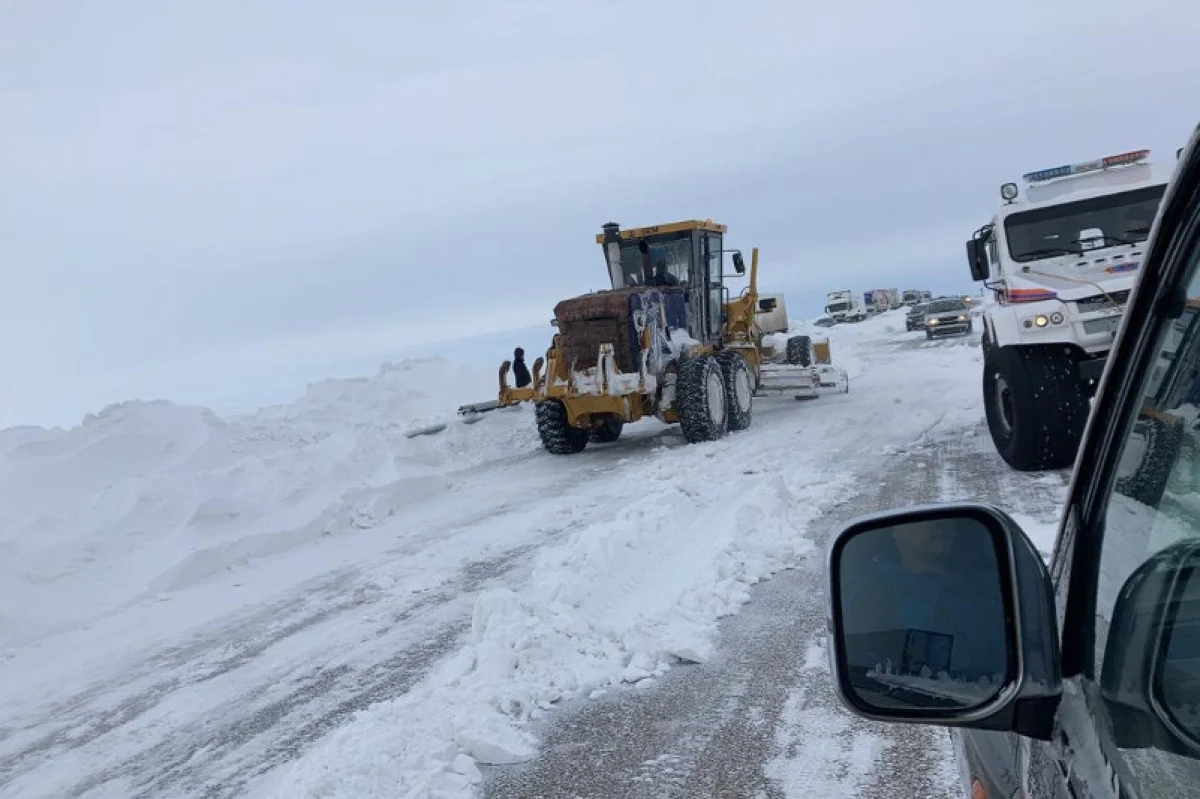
150,497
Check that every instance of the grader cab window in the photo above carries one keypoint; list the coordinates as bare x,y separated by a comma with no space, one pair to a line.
669,262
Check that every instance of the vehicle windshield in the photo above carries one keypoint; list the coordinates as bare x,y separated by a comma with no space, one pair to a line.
919,309
1072,228
672,255
836,306
944,306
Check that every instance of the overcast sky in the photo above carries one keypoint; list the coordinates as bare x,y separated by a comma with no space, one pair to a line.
195,196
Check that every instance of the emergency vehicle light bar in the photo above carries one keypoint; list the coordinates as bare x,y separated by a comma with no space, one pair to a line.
1121,159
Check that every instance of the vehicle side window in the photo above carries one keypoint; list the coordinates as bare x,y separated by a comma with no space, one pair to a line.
1153,507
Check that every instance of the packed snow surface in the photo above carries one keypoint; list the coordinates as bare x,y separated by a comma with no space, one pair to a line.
310,600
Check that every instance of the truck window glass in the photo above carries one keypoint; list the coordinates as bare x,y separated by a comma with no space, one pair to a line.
675,253
1077,226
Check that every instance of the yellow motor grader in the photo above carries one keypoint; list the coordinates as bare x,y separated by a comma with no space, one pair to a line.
666,340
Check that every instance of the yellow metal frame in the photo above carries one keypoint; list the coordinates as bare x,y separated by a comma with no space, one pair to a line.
671,227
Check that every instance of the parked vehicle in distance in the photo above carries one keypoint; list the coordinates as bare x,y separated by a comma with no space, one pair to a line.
947,316
845,306
1080,678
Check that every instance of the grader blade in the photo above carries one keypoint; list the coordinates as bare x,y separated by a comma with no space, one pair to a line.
778,379
801,382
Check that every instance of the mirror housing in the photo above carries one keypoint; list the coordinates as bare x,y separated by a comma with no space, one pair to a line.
739,263
767,304
977,259
1149,686
1026,697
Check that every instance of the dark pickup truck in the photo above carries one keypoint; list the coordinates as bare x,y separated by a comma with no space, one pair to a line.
916,317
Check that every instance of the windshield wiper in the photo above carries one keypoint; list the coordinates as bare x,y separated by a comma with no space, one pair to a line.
1049,252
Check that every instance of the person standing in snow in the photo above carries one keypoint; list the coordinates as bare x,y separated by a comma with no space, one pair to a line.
520,370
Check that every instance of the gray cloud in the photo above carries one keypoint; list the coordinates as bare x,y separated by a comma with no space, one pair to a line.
223,187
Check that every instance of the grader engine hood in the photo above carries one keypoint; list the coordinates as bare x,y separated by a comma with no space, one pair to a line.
619,317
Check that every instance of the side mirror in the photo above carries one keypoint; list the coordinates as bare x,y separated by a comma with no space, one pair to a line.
1150,679
739,263
944,614
767,304
977,258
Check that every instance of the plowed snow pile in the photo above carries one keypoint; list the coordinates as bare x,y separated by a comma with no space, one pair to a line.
145,498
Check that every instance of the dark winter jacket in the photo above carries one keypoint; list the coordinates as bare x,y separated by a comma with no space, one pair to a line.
520,370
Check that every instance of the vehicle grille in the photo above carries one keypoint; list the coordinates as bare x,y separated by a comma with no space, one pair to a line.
1101,302
582,339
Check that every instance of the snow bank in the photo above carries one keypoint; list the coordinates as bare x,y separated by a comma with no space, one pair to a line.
145,498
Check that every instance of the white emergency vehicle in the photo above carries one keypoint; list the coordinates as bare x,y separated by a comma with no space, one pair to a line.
1059,262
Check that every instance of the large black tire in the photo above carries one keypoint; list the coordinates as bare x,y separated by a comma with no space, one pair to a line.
799,351
1036,405
1163,441
558,437
608,431
739,388
700,400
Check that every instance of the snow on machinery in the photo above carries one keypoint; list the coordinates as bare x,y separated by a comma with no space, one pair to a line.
665,341
1060,263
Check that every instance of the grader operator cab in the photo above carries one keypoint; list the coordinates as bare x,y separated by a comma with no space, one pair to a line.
667,341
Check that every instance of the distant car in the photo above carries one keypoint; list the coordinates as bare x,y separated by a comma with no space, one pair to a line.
825,321
915,320
947,316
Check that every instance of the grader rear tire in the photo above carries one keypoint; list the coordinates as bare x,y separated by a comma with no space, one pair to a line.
558,437
608,431
700,397
739,388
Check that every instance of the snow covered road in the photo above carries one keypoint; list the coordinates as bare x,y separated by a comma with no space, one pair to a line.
306,602
760,719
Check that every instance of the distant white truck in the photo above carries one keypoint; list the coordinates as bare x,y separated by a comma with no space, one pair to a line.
913,297
844,306
1059,263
